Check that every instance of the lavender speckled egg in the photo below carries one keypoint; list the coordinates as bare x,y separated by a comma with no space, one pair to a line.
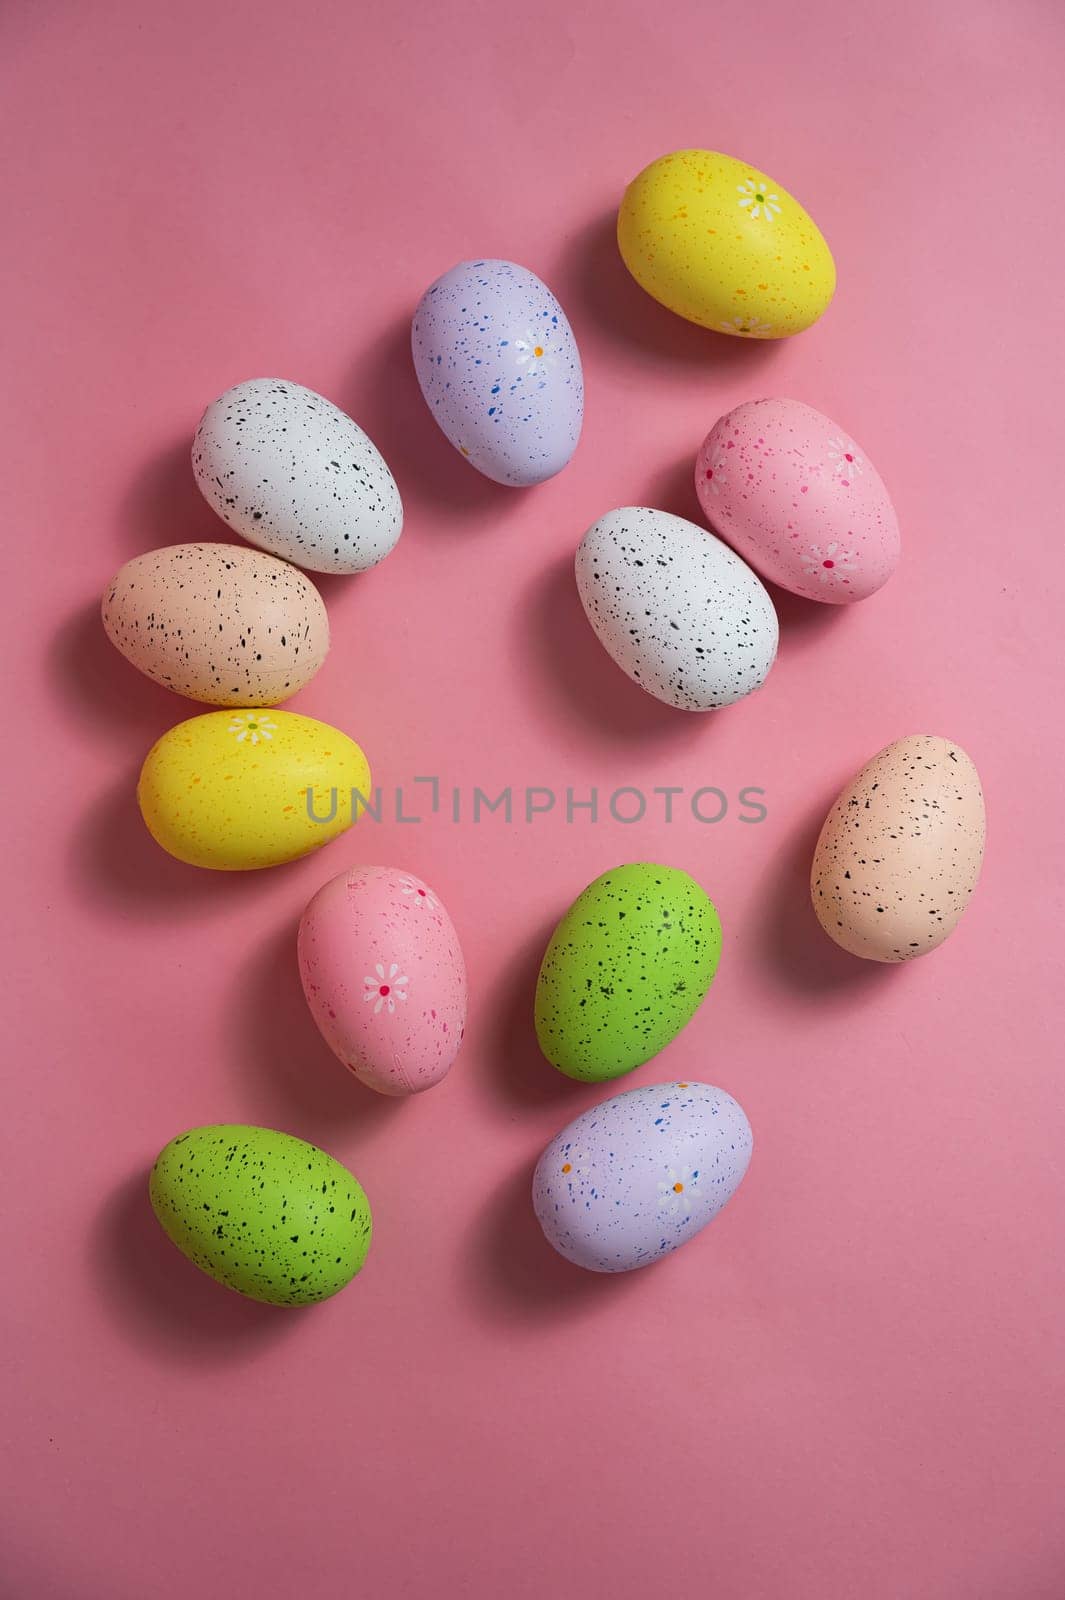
499,368
901,850
218,623
677,609
292,473
384,976
799,500
637,1176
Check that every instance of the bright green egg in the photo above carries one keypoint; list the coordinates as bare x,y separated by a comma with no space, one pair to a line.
264,1213
626,968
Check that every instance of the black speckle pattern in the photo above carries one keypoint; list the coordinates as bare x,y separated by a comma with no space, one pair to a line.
900,851
626,968
262,1212
678,611
293,474
220,624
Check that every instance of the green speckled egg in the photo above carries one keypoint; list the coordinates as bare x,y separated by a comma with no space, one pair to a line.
626,968
266,1214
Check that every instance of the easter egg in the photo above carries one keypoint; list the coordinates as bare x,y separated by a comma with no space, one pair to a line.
218,623
262,1212
292,473
384,977
722,244
799,500
240,789
630,1180
677,609
900,851
625,970
499,368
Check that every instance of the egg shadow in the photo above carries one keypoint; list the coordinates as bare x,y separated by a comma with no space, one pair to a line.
520,1074
790,940
97,682
515,1274
163,504
595,287
559,643
115,863
673,490
385,398
278,1052
165,1303
799,618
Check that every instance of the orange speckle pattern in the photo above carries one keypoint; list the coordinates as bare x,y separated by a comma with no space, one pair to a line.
768,249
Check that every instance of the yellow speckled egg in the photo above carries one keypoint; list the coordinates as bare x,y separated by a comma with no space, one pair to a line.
241,789
723,245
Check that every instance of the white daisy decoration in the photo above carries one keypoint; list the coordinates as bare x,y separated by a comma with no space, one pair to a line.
533,351
714,475
385,988
252,727
826,563
418,893
757,201
576,1165
746,327
674,1195
845,463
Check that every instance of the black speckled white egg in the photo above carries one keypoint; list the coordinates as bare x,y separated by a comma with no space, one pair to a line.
292,473
630,1180
216,622
499,368
676,608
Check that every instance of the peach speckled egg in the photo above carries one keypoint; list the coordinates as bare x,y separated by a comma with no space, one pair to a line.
228,626
900,851
799,500
384,977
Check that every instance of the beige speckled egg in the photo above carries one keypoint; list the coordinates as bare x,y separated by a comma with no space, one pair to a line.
218,623
901,850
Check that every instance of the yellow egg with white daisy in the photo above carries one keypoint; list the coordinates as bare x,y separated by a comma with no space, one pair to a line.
235,790
723,245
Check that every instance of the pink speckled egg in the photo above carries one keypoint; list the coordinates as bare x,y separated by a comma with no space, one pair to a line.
799,500
383,974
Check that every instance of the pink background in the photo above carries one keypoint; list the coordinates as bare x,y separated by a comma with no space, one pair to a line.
851,1386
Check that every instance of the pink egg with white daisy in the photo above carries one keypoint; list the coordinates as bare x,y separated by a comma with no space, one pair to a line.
798,499
384,976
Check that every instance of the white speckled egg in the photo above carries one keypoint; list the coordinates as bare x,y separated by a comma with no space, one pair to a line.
901,850
218,623
637,1176
677,609
799,499
384,977
499,368
292,473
